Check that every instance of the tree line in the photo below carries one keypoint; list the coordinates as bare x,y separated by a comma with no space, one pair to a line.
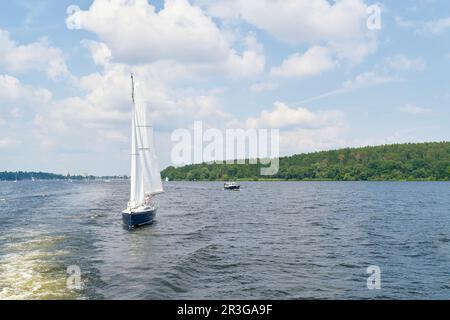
21,175
411,161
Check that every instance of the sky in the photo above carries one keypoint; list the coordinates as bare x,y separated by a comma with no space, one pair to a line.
315,70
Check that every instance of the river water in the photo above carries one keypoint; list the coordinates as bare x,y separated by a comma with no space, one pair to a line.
271,240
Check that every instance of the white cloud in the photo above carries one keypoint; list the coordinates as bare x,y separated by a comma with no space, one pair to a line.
13,92
340,25
403,63
297,21
416,110
36,56
286,117
301,130
313,62
303,140
100,52
103,112
134,32
248,65
355,51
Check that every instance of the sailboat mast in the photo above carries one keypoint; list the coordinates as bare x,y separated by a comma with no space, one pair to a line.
132,88
134,151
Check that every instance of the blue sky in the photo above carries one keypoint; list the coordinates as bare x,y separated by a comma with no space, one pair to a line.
310,68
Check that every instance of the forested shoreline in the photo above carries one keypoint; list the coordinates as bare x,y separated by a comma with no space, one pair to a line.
411,161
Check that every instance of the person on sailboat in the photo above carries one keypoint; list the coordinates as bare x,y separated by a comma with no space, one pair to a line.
148,199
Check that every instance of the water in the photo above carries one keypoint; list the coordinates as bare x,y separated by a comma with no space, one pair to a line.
272,240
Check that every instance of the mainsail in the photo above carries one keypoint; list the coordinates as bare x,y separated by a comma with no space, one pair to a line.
145,174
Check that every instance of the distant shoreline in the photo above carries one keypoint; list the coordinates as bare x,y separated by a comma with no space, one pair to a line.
222,181
36,176
402,162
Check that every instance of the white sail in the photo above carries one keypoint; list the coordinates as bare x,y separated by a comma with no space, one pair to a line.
134,163
145,174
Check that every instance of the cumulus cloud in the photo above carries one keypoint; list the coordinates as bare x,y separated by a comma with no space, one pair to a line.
103,112
13,91
297,21
301,130
100,52
340,25
301,140
313,62
285,117
134,32
36,56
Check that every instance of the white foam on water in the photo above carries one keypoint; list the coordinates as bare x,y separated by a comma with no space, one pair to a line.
31,271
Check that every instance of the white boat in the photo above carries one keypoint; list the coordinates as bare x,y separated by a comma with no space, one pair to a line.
231,186
145,175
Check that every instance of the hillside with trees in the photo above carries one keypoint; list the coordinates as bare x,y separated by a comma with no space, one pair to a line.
412,161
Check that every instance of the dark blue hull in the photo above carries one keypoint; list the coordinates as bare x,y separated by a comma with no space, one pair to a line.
138,219
234,188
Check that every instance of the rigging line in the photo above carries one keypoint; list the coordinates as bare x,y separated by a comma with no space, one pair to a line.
132,87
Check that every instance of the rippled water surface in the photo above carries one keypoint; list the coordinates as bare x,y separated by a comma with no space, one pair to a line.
272,240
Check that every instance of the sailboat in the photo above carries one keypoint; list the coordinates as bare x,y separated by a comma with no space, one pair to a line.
145,175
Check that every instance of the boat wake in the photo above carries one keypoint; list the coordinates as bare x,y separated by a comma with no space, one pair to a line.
33,270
